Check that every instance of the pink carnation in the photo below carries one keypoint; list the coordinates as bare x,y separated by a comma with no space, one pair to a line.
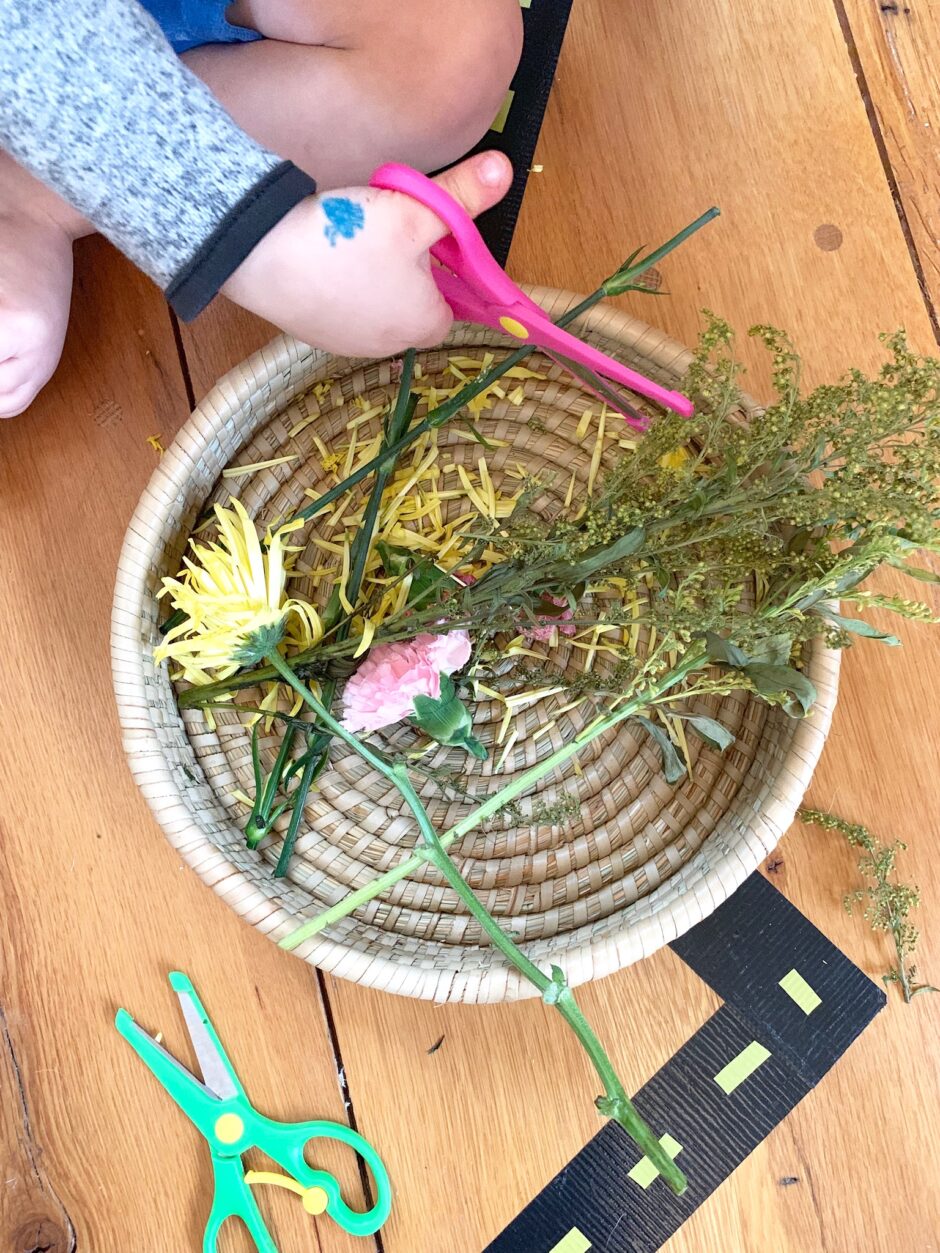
383,689
561,623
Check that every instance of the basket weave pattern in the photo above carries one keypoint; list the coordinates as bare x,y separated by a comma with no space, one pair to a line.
641,861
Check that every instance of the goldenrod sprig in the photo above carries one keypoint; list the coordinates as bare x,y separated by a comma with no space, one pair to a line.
888,903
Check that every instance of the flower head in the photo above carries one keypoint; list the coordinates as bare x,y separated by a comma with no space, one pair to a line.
232,595
383,689
548,624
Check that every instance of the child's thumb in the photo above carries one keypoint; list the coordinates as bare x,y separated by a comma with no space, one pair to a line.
477,183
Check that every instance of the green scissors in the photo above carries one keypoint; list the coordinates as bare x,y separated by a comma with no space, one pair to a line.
220,1109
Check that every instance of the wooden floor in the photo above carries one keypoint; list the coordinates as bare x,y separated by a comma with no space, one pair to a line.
815,128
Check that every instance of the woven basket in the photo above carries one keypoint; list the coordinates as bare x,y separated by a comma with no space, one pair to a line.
642,861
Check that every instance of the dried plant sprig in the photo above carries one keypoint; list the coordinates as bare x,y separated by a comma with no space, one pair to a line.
888,903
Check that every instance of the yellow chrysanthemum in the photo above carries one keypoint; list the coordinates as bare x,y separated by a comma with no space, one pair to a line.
232,595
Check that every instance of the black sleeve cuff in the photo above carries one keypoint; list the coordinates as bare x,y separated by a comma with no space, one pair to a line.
243,226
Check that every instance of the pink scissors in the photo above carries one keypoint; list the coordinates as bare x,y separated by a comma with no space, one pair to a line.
478,289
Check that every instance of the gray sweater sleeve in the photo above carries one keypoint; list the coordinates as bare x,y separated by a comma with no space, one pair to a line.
95,103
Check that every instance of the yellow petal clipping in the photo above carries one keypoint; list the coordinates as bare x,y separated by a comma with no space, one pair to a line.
368,634
506,751
598,451
236,472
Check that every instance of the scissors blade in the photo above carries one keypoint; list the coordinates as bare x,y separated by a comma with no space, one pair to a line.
172,1074
603,391
216,1069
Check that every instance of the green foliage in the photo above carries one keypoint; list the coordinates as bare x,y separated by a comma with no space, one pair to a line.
447,719
673,766
887,903
739,532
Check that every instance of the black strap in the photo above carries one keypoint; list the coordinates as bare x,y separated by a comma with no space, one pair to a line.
545,24
793,1005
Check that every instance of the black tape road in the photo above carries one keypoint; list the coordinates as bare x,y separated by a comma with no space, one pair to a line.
793,1003
516,130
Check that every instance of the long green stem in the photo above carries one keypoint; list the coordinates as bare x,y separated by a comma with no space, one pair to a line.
520,784
263,812
317,757
554,991
614,1103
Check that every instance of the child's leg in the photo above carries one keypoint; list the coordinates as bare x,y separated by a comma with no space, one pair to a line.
337,87
340,87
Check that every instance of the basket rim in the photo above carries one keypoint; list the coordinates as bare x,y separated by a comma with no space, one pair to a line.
672,908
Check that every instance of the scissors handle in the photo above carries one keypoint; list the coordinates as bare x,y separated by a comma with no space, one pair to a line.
478,289
464,251
285,1144
234,1199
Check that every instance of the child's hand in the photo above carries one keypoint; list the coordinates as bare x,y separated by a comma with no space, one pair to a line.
349,271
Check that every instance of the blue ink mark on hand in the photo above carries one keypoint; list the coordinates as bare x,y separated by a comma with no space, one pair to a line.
344,217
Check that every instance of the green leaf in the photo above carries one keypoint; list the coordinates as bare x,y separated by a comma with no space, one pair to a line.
774,650
673,766
556,988
772,681
858,626
724,652
447,719
914,572
833,591
623,279
712,732
425,575
610,554
394,560
474,747
477,435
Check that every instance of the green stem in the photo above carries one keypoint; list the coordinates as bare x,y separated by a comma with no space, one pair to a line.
555,991
398,425
312,770
359,555
261,815
903,979
517,787
624,278
615,1103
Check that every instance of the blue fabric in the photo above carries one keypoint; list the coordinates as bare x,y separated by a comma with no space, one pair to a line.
189,23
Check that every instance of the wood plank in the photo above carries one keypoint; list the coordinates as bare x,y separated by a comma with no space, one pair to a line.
221,337
896,49
659,112
95,906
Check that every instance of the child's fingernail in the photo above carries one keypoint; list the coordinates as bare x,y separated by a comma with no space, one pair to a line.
490,169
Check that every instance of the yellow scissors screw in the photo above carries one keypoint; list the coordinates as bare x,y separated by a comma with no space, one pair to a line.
512,327
229,1128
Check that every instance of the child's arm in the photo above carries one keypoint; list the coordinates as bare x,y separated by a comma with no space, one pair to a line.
94,102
